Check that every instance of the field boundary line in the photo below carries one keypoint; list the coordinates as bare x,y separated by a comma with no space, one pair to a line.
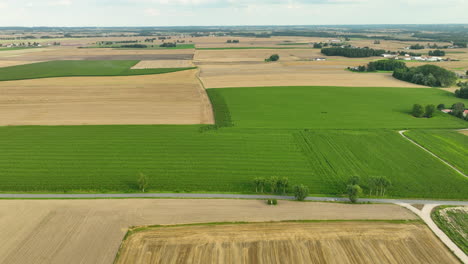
402,133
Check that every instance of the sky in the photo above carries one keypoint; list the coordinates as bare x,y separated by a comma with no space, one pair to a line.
103,13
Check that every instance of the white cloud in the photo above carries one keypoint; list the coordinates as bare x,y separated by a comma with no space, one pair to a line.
60,3
152,12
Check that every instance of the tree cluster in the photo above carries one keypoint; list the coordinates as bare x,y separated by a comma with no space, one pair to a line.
168,45
232,41
274,57
274,184
352,52
380,65
420,111
458,110
463,91
379,185
437,53
385,65
429,75
416,46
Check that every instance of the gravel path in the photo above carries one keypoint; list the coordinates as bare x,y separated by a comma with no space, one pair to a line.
425,215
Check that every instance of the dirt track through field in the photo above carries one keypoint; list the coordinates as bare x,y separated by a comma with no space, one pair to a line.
172,98
90,231
332,242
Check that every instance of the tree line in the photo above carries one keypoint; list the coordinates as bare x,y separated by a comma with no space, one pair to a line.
380,65
352,52
428,75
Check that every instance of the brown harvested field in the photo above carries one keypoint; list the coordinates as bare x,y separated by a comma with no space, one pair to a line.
221,42
74,53
464,132
14,63
172,98
91,231
264,243
254,55
316,73
157,64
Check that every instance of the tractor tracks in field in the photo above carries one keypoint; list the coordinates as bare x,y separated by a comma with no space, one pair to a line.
402,133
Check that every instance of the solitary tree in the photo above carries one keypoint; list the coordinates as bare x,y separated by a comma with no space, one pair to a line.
353,192
143,182
301,192
430,109
418,110
441,106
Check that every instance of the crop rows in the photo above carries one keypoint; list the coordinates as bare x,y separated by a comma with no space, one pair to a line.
181,158
449,145
336,107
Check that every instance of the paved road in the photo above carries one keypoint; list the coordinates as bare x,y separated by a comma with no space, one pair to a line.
425,215
219,196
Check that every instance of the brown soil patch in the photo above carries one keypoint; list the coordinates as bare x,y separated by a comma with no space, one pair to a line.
418,206
255,55
91,231
295,73
173,98
14,63
157,64
332,242
464,132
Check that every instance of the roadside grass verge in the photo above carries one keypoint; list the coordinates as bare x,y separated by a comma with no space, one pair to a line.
454,223
449,145
77,68
318,107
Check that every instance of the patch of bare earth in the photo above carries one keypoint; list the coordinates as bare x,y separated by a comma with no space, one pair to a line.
327,242
158,64
173,98
8,63
91,231
464,132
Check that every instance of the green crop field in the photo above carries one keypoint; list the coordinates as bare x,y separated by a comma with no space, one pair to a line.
317,136
450,145
334,107
77,68
190,159
454,223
